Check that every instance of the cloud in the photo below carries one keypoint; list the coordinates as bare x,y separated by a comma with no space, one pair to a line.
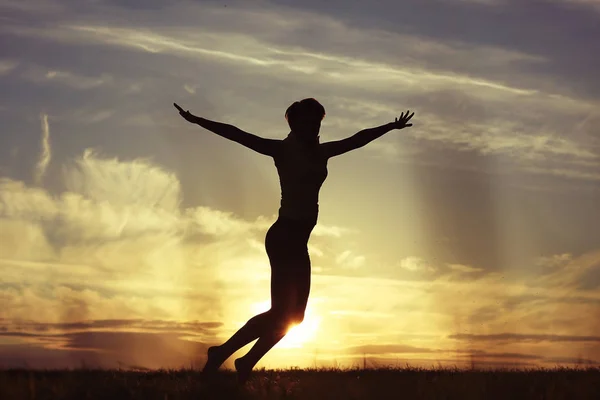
235,48
488,93
50,329
117,243
43,7
21,201
571,360
6,66
45,154
190,89
384,349
555,260
41,75
485,2
24,240
581,272
109,350
516,337
137,182
416,264
349,260
117,228
589,125
464,268
484,355
220,223
333,231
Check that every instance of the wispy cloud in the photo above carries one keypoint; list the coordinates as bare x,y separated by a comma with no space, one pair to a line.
526,337
464,268
38,74
7,66
45,153
465,99
56,329
349,260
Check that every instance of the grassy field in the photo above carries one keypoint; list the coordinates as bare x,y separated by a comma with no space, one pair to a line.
406,383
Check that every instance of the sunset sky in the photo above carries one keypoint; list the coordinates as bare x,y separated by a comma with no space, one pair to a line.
129,237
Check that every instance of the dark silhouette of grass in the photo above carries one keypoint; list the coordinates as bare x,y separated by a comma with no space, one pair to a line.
313,384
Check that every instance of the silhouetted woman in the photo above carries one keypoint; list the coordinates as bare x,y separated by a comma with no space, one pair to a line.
301,163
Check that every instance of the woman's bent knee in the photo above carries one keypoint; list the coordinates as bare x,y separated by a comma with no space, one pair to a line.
285,319
297,317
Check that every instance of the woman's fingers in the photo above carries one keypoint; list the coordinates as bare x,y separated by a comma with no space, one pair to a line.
403,120
178,108
405,116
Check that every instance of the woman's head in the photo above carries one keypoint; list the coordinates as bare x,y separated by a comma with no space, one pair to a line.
304,118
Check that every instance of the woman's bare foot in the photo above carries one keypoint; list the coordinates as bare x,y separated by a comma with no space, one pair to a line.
214,360
243,370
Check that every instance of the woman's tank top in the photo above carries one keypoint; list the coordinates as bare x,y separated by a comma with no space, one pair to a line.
302,170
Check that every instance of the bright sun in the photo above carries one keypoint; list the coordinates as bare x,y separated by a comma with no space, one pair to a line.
297,335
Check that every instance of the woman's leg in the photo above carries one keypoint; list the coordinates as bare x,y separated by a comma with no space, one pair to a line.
289,299
246,334
254,328
284,293
290,287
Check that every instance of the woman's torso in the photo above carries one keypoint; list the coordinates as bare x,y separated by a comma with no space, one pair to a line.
302,169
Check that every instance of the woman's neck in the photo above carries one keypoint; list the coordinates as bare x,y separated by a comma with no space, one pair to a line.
301,139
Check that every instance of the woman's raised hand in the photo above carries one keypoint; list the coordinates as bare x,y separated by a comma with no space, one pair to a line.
401,122
186,114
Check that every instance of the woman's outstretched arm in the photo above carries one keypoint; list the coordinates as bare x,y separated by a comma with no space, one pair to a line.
261,145
365,136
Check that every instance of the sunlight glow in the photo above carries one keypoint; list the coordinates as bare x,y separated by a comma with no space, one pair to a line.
299,334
